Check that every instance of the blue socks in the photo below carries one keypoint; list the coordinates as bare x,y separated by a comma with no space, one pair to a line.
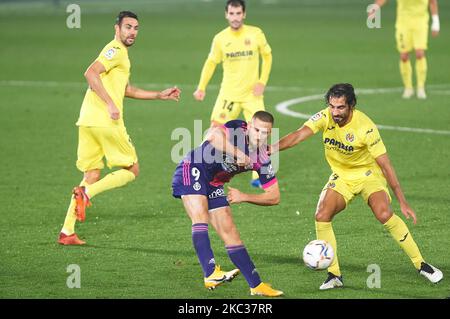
240,258
202,246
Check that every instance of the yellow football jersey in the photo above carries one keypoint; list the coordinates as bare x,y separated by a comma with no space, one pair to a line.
94,112
239,52
350,150
409,11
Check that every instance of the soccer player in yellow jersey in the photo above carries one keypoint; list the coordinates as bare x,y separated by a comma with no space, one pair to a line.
411,32
238,48
101,130
360,165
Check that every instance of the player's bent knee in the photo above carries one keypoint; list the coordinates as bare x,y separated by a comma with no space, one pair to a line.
134,169
384,216
323,217
420,54
92,176
404,57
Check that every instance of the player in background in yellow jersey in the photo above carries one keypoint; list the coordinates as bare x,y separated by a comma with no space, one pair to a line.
102,132
411,32
360,165
239,48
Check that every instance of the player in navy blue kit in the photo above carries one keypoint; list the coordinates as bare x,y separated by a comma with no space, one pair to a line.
234,148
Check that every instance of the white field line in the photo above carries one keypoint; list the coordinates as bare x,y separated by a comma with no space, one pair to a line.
283,108
24,83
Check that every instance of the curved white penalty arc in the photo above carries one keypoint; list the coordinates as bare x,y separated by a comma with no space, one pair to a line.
284,108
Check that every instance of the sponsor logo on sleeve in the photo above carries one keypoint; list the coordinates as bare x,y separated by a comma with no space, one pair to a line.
110,53
270,172
316,116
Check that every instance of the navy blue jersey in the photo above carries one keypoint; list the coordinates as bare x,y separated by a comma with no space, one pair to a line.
221,167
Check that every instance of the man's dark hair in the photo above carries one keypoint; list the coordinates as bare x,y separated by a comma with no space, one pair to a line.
125,14
342,89
235,3
264,116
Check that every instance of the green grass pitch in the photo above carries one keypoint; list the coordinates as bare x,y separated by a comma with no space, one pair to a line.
139,238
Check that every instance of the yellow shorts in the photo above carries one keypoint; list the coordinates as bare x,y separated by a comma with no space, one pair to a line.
227,110
94,143
365,186
411,37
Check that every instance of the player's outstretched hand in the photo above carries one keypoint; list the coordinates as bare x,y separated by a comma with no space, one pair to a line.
234,196
170,94
408,212
199,95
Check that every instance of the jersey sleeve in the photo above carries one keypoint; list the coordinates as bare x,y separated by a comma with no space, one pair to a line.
375,144
263,45
235,124
215,54
266,175
110,57
317,122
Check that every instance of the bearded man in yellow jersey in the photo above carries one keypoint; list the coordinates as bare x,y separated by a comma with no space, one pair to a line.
411,32
360,165
238,48
101,128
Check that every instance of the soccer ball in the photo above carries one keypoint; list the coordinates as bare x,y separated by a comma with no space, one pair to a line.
318,255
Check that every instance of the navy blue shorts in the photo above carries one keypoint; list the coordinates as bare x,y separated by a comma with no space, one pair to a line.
191,179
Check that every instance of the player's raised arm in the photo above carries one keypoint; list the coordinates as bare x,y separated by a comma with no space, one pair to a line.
389,172
217,138
172,93
270,197
92,76
435,25
292,139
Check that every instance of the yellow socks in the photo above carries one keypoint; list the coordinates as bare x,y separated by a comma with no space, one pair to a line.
112,180
324,231
71,217
399,231
255,175
406,73
115,179
394,225
421,72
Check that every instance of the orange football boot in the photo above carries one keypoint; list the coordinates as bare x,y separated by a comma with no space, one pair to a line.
70,239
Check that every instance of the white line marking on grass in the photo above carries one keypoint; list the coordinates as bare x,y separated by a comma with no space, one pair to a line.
283,108
31,83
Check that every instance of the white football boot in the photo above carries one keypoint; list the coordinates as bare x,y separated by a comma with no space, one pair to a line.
332,281
407,93
431,273
421,93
